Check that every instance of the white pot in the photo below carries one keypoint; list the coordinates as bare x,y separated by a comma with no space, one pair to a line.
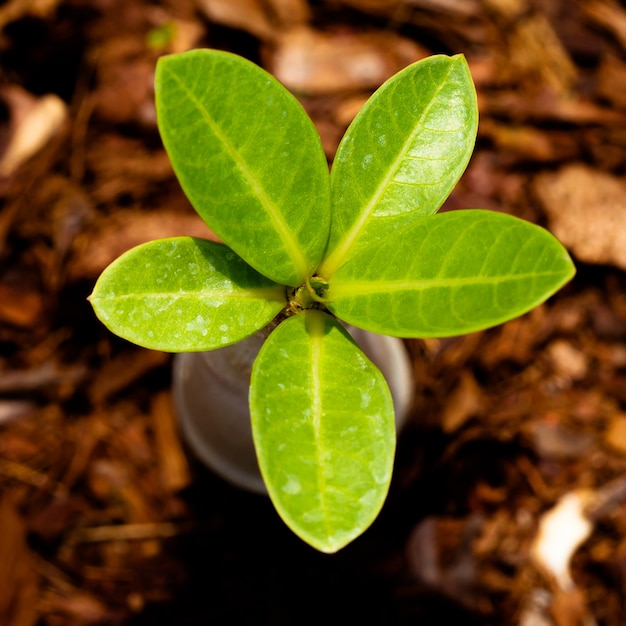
211,398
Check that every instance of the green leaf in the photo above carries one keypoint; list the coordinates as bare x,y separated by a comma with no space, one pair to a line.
184,295
450,274
323,426
402,155
248,158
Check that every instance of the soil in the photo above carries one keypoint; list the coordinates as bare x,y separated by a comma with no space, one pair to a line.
105,518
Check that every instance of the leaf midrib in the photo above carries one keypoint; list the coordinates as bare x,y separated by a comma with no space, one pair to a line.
317,336
371,287
294,250
247,294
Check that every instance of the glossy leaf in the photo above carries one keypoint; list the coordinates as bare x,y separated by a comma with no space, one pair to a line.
248,158
402,155
184,295
450,274
323,425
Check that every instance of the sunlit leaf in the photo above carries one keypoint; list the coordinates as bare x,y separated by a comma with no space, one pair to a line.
402,154
450,274
323,425
184,295
248,158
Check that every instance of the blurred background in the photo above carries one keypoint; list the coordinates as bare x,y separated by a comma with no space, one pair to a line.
105,517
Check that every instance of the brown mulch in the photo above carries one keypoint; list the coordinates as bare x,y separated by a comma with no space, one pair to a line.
104,516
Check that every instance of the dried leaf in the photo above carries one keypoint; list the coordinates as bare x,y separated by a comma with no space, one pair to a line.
537,53
309,61
587,212
561,532
41,121
248,15
528,143
569,362
463,403
20,305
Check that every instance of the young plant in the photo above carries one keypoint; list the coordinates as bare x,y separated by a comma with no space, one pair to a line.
363,245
